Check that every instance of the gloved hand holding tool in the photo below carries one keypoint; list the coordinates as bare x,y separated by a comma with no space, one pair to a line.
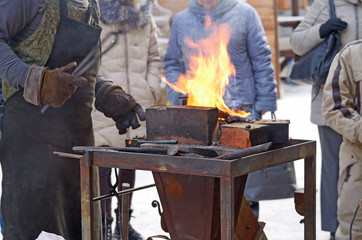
86,63
333,24
57,85
115,103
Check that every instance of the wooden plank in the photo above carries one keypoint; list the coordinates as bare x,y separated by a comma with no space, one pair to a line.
287,4
174,5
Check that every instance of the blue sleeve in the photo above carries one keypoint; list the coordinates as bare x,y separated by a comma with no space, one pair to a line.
174,66
260,58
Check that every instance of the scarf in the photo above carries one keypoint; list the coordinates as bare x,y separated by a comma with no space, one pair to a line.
116,12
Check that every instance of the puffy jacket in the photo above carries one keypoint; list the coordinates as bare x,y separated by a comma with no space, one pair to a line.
248,49
342,110
306,36
342,95
134,64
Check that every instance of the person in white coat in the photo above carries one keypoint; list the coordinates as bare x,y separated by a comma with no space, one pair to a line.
134,63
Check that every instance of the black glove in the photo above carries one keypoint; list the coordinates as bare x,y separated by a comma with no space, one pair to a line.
115,103
333,24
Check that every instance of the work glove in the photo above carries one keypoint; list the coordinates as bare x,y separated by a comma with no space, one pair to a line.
115,103
58,85
333,24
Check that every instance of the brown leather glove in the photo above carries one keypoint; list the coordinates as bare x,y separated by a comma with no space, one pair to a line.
58,84
115,103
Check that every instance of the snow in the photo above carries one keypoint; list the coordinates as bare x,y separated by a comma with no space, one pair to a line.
282,221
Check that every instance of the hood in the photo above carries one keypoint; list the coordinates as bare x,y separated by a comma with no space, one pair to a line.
223,7
131,15
353,1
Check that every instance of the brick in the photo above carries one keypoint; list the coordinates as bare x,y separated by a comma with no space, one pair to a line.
278,129
243,135
187,124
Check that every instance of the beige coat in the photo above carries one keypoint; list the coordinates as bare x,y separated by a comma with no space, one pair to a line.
342,109
306,36
134,64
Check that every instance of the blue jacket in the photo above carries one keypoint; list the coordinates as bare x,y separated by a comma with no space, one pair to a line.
248,49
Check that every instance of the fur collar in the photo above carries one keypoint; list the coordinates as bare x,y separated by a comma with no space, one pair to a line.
116,12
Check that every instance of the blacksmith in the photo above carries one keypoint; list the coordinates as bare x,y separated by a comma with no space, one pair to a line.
41,44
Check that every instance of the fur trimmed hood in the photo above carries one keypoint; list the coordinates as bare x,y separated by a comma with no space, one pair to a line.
132,15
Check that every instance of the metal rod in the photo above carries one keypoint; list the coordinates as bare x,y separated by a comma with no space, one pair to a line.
121,149
123,192
68,155
246,151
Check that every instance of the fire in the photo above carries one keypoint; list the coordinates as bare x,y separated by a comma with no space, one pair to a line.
209,72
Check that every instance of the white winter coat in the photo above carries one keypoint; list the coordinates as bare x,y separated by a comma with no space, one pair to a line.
134,64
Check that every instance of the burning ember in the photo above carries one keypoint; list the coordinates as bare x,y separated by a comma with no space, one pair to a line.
209,70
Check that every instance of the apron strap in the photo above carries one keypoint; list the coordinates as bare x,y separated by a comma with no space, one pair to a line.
92,13
63,8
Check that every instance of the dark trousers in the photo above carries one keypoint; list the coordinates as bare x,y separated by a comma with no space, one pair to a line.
125,176
330,142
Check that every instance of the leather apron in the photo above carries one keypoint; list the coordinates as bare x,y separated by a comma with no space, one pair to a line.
41,191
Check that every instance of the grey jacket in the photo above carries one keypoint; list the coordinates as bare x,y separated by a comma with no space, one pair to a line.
306,36
248,49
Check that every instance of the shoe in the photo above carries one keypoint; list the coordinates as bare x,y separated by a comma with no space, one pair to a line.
333,236
107,228
132,233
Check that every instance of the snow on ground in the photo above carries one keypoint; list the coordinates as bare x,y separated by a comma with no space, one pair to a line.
282,221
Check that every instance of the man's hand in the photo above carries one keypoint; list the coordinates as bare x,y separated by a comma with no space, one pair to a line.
120,106
58,84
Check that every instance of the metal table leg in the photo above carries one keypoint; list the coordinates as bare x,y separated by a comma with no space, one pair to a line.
227,208
86,185
310,198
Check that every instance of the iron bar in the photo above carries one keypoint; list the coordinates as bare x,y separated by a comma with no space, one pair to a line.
122,192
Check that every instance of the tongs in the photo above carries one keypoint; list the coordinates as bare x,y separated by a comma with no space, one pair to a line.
90,59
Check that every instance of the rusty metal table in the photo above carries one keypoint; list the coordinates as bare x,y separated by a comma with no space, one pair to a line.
225,170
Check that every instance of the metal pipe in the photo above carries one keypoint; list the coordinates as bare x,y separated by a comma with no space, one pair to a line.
68,155
123,192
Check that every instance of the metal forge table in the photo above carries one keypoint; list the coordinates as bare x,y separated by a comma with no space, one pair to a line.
225,170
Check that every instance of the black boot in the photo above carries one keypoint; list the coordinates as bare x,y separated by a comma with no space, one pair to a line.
132,234
107,227
117,230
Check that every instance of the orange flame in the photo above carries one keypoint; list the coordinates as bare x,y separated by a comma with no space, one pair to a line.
209,71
